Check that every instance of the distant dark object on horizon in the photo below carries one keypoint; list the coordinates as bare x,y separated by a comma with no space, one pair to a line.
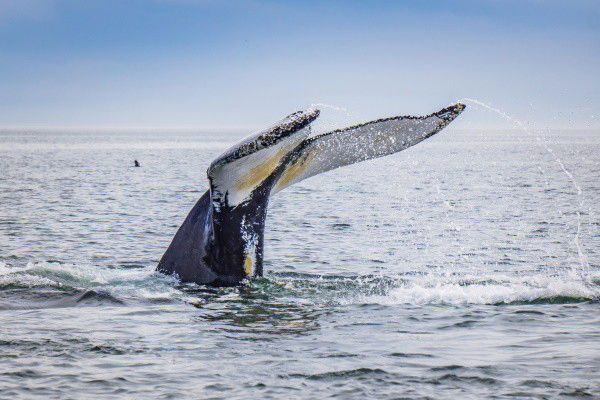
136,163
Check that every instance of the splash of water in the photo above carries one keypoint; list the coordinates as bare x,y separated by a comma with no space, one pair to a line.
583,260
328,121
59,281
335,108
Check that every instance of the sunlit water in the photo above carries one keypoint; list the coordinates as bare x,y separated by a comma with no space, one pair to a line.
449,270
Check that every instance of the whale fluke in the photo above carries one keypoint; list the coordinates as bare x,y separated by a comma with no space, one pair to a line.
221,240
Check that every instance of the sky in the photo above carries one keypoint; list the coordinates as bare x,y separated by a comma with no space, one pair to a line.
209,63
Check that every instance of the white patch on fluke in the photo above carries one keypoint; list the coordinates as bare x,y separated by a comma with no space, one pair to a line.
250,239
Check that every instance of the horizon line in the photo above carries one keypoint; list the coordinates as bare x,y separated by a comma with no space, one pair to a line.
225,128
4,128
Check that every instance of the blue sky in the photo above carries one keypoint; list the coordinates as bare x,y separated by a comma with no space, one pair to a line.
208,63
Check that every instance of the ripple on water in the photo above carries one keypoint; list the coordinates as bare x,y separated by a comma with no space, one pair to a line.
454,282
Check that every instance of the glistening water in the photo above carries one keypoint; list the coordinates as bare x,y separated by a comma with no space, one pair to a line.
449,270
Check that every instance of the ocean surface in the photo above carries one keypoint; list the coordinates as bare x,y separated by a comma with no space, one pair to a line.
467,267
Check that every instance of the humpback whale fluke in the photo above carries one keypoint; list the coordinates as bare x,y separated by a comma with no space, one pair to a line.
221,241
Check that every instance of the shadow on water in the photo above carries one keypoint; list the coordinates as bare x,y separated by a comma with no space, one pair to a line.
257,321
254,312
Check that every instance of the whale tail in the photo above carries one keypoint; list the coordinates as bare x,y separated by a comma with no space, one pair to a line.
221,240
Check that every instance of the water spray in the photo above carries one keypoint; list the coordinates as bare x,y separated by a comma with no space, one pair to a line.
583,261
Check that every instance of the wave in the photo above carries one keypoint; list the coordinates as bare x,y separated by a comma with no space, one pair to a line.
56,284
510,291
452,289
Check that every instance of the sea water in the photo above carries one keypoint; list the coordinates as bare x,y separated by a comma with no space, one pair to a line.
450,270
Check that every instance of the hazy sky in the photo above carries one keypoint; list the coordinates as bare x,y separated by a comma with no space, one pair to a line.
195,63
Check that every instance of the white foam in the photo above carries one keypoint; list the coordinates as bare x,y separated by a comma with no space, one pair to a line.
441,290
142,283
26,280
7,270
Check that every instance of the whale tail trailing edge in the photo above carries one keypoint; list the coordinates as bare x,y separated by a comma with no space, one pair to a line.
221,241
362,142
